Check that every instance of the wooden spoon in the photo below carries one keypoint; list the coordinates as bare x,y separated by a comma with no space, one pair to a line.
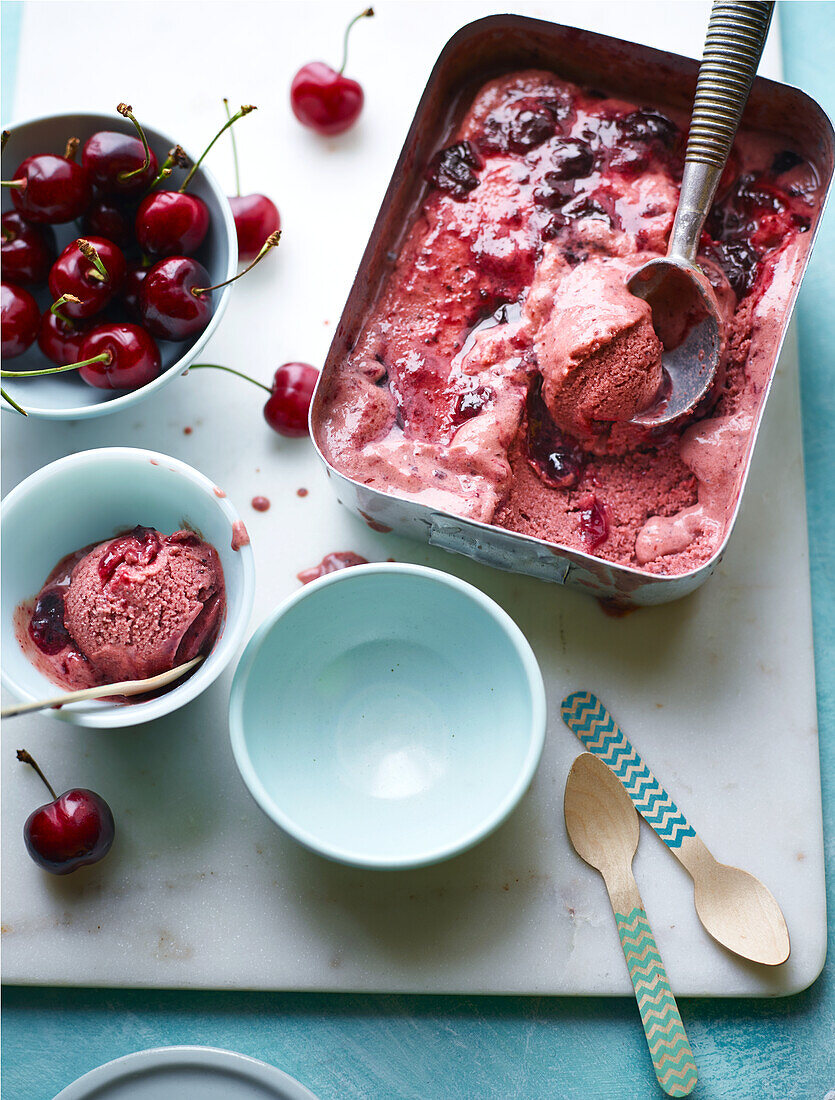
734,907
127,687
604,830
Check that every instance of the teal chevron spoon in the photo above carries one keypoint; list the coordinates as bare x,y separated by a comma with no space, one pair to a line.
603,827
734,907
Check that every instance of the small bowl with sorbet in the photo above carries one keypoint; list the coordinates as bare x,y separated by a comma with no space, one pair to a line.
120,564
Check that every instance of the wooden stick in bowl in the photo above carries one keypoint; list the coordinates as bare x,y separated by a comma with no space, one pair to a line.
127,687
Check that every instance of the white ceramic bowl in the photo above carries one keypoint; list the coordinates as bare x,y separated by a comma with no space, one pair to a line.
67,396
388,716
87,498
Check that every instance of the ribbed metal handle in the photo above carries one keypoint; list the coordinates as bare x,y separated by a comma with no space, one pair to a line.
735,38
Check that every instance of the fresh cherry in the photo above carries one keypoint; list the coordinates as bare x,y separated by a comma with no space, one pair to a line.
172,223
19,320
46,188
286,409
72,831
91,270
130,358
109,218
132,288
323,99
256,216
27,250
169,223
288,406
168,304
59,337
176,299
119,164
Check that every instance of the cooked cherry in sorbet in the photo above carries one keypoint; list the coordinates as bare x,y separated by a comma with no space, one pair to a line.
139,547
456,169
46,626
556,458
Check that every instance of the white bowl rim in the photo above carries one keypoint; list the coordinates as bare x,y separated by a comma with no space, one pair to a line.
132,397
243,1066
536,689
116,717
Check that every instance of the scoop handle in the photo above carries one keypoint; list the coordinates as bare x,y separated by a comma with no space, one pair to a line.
734,44
589,720
669,1047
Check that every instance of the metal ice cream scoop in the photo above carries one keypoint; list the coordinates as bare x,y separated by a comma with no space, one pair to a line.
685,311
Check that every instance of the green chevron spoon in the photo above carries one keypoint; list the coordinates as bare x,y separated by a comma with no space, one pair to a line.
603,827
733,906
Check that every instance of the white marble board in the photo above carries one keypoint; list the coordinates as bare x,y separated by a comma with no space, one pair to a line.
716,691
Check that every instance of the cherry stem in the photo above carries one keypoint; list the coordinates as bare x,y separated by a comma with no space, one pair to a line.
56,308
71,148
6,135
126,111
21,183
12,402
102,357
229,370
90,253
177,157
234,149
267,246
27,758
239,114
362,15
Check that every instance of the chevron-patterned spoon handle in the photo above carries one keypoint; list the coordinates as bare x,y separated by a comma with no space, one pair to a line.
586,717
669,1048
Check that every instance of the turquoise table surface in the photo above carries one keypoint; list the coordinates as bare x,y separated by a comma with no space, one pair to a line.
453,1048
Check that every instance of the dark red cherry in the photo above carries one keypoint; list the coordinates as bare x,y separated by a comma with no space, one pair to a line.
520,126
286,410
76,273
132,288
109,218
140,546
555,458
61,340
571,159
256,217
325,100
19,319
171,223
134,357
111,158
170,309
72,831
46,625
594,523
55,189
455,169
27,250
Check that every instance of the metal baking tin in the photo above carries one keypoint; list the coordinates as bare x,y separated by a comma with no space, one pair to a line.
476,53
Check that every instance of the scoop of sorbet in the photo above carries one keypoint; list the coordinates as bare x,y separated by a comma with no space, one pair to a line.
140,604
597,351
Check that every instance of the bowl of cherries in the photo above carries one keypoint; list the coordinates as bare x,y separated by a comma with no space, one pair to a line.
117,252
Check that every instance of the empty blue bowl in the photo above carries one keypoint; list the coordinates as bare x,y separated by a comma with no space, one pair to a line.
388,716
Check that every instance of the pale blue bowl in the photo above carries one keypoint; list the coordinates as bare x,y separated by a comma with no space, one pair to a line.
89,497
388,716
